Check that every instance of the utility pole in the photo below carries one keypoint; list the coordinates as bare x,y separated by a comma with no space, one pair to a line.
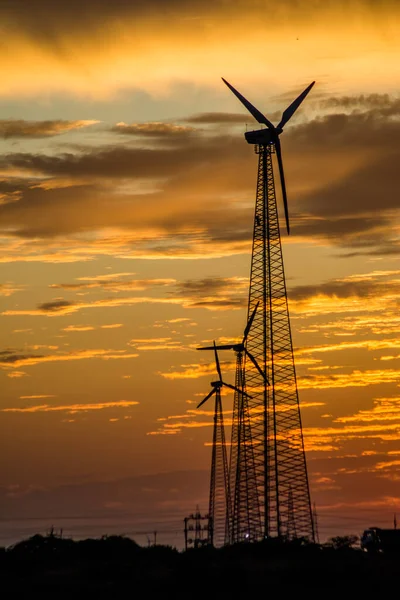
315,519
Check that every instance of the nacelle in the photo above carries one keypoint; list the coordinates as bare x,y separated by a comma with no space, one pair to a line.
261,137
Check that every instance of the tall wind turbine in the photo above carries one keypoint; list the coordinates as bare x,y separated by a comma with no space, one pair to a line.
220,508
275,420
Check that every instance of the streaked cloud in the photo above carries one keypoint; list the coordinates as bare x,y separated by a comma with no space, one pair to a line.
8,289
196,370
78,328
81,328
163,130
37,396
15,359
114,284
16,374
190,422
109,182
18,128
216,118
72,408
384,409
356,378
164,46
366,344
157,344
211,293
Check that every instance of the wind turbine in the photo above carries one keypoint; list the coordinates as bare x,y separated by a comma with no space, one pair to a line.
220,508
274,409
263,137
240,348
246,508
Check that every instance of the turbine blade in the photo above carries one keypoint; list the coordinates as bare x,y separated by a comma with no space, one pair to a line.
249,323
206,348
217,362
207,397
257,366
233,387
224,347
252,109
289,112
283,185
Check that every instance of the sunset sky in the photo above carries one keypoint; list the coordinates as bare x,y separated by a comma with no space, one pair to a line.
127,194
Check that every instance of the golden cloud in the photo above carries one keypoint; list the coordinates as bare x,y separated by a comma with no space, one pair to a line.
157,344
356,378
11,360
91,327
78,328
18,128
384,409
72,408
37,396
154,129
112,283
367,344
7,289
167,47
16,374
196,370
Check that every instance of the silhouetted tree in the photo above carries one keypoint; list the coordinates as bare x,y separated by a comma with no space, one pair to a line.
341,542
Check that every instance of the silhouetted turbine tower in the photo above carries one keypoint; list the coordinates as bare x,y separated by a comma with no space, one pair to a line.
245,510
220,496
275,420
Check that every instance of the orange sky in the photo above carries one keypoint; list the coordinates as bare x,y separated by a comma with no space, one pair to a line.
126,207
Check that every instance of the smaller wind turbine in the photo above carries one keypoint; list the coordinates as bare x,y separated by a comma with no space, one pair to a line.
217,385
264,137
240,348
241,460
220,497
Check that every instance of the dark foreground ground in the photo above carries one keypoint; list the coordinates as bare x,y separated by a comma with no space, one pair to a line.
114,566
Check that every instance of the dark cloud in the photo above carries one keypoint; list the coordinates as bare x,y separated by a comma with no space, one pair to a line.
11,357
125,161
55,305
207,286
362,288
48,19
214,292
343,166
223,304
351,161
366,101
194,177
162,130
218,117
356,130
18,128
113,284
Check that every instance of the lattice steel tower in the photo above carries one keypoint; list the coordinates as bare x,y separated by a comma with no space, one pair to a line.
243,516
220,503
275,420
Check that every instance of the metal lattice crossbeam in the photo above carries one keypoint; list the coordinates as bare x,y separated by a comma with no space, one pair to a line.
220,499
